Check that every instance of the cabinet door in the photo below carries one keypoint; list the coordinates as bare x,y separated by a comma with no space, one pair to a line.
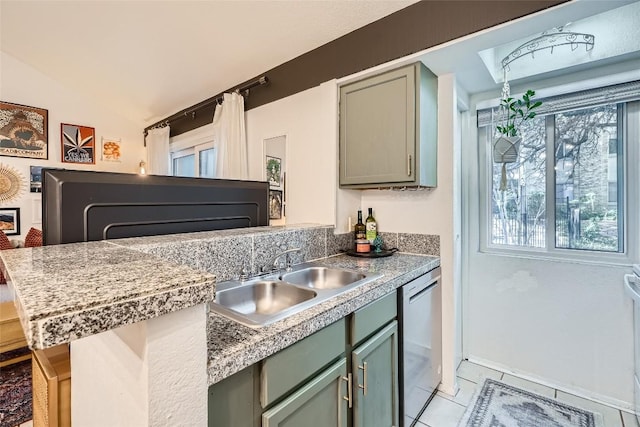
322,402
234,400
377,129
375,373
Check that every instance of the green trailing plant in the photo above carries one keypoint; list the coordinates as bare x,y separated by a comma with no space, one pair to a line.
518,111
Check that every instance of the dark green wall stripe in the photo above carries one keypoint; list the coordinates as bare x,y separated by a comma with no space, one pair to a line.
415,28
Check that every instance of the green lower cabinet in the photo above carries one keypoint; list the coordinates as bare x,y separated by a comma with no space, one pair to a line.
375,373
322,402
233,402
313,383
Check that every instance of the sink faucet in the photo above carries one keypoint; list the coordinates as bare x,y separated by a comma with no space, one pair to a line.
274,262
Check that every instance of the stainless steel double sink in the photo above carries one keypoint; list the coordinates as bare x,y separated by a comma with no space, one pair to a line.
265,299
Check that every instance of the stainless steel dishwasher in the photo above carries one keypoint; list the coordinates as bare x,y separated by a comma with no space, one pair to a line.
420,314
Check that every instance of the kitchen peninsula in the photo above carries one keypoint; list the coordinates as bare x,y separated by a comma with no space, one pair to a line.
135,313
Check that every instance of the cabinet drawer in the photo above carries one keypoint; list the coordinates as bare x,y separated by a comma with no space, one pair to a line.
283,371
372,317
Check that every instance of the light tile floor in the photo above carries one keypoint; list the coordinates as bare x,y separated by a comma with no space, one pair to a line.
445,410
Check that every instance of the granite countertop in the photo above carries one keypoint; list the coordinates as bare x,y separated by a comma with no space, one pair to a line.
72,291
66,292
233,346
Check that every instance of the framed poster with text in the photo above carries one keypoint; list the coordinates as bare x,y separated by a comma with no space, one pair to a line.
23,131
78,144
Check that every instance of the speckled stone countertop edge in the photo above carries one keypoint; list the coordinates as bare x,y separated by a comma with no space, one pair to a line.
266,341
67,327
90,318
218,235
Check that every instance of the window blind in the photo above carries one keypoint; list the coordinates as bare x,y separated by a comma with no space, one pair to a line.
623,92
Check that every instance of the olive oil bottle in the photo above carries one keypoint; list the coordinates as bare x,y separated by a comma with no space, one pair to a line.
371,227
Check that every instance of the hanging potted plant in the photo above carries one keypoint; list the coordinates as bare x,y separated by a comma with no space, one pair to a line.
514,113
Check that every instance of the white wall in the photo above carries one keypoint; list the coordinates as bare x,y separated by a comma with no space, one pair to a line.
150,373
309,121
568,325
22,84
563,323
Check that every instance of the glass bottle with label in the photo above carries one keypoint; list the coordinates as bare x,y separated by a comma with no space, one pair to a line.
372,227
360,228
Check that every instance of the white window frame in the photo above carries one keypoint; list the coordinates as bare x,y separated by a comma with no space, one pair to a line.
191,142
630,201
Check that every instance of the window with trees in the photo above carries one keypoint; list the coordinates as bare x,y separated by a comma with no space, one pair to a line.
566,191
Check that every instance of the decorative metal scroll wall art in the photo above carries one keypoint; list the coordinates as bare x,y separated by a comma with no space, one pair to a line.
549,40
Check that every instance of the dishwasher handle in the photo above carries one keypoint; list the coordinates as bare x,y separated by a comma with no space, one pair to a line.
420,285
632,286
422,291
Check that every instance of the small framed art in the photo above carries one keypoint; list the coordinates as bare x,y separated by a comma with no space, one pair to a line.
274,171
35,179
78,144
275,204
10,221
111,151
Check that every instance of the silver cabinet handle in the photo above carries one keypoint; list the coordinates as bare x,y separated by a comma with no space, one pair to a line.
409,165
364,378
348,397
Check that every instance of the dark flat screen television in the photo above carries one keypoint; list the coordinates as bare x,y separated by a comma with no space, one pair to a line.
82,206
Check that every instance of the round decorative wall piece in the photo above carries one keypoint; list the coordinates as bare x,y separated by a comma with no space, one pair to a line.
10,183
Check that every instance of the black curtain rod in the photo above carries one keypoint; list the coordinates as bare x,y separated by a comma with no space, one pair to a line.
193,109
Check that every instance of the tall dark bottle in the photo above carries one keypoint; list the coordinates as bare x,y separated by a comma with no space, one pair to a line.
372,227
360,228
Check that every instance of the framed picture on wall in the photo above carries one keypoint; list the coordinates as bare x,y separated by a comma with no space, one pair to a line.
78,144
35,179
10,221
274,171
111,149
23,131
275,204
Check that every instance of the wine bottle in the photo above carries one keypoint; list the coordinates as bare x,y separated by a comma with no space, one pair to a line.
371,226
360,228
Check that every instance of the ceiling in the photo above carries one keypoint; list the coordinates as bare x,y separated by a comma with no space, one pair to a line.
148,59
617,41
590,39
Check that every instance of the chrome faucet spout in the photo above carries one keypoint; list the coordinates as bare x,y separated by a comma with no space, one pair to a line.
274,262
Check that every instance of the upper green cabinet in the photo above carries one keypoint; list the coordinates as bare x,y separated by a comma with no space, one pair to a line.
388,130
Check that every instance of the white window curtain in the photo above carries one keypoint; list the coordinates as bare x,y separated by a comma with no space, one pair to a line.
158,151
230,139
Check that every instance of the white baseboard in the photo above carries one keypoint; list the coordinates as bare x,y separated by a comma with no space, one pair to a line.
577,391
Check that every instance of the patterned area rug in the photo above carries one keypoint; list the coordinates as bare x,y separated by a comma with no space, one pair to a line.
500,405
15,394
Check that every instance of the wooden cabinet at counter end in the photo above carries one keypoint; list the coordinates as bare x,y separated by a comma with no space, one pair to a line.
51,370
